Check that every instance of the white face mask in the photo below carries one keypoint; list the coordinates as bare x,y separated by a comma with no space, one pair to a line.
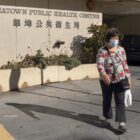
113,42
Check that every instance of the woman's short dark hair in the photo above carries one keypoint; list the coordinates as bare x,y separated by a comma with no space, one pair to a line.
113,32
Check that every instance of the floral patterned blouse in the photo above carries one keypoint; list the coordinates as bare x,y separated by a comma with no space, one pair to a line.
105,64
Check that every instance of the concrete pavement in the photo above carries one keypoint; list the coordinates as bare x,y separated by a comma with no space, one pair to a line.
69,110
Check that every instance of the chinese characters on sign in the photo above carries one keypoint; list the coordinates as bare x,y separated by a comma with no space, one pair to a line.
47,24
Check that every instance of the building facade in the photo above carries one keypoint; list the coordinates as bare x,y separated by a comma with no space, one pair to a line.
53,26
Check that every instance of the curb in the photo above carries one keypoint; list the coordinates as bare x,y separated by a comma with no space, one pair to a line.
4,134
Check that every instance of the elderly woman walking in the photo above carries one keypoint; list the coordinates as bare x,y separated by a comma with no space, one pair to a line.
112,66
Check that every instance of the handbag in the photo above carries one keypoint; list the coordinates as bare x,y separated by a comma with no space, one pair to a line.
124,83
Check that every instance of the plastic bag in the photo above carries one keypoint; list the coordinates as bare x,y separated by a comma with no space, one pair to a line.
128,98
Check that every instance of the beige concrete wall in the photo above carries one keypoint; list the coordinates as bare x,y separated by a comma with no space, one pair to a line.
78,73
12,79
5,80
18,39
128,24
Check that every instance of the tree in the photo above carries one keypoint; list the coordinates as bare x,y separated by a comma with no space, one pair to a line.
93,43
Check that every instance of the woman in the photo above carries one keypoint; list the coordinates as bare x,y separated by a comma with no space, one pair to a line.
112,66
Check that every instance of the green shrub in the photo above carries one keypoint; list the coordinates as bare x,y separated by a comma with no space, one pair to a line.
71,63
10,65
56,60
68,62
39,60
26,62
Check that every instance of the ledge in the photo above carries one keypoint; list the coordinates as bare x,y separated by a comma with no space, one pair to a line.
20,78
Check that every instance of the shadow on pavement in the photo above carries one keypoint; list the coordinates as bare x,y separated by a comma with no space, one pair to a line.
58,97
68,99
89,119
82,92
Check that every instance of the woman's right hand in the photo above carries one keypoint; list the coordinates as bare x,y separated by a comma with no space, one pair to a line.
106,79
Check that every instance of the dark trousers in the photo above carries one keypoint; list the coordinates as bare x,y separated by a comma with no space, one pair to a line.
119,95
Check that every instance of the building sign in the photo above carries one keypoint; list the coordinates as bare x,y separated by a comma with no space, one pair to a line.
48,24
25,30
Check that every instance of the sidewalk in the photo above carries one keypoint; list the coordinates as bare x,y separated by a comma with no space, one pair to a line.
69,110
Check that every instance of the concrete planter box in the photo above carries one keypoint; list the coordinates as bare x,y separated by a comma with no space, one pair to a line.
25,77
